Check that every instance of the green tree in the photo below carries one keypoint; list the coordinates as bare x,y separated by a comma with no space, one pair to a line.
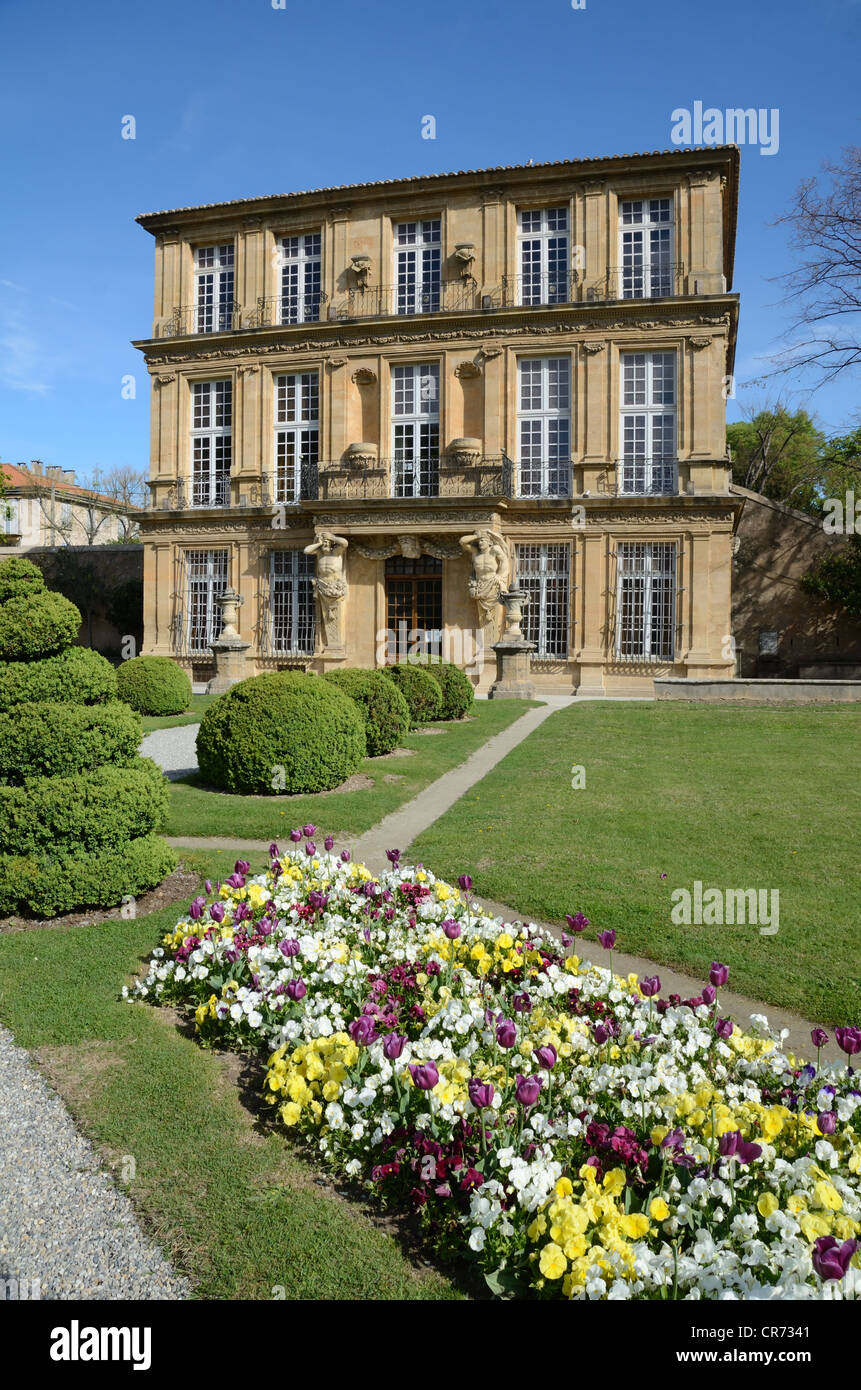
837,577
779,453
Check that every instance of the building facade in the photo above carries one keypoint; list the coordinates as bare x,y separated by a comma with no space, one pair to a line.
377,407
44,507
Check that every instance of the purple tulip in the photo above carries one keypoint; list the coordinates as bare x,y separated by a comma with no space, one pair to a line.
650,986
819,1037
601,1033
296,989
393,856
451,929
235,881
522,1003
827,1122
329,842
578,922
196,909
527,1090
607,939
289,946
506,1033
345,856
308,831
547,1056
424,1075
295,836
366,933
273,850
464,882
723,1028
709,994
317,900
719,974
241,866
207,886
480,1093
310,849
362,1030
216,912
393,1046
831,1260
848,1040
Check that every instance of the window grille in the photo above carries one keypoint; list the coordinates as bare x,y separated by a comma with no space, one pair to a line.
206,579
543,572
646,231
213,288
646,601
291,602
211,432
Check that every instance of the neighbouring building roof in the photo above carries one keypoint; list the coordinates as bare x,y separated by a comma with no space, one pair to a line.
22,478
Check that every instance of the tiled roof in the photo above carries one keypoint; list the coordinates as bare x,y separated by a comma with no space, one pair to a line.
20,477
710,150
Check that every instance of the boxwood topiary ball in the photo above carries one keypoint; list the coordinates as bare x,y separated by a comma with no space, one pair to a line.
154,685
281,732
422,693
383,707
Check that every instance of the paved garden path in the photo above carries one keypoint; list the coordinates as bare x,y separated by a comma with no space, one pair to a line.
66,1231
402,827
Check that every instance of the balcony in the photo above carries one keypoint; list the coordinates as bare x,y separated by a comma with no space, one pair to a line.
625,282
186,319
384,479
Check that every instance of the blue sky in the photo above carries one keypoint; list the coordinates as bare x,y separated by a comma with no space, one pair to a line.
235,98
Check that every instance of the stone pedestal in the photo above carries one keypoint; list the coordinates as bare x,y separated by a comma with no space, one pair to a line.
228,648
513,651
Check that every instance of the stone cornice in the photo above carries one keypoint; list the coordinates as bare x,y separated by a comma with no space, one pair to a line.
718,312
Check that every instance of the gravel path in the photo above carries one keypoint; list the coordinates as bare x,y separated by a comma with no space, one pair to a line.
173,749
63,1223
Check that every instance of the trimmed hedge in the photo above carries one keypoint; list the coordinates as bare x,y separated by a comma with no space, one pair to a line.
154,685
19,577
282,732
37,625
90,811
458,695
422,693
76,676
47,884
55,740
381,704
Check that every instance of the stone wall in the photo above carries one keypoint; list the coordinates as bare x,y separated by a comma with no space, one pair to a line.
106,583
775,545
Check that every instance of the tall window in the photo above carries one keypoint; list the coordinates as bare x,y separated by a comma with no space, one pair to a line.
646,231
296,432
415,430
291,602
543,245
544,426
648,422
543,573
417,266
646,601
300,278
206,579
211,427
213,288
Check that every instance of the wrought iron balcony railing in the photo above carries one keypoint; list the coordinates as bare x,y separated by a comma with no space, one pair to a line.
405,301
630,478
200,492
634,282
186,319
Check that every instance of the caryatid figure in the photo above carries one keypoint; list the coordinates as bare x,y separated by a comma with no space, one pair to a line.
330,587
491,572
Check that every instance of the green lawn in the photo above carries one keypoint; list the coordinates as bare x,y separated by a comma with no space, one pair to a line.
195,810
193,715
736,798
228,1200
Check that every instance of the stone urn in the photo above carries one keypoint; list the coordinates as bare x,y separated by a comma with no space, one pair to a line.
513,652
228,648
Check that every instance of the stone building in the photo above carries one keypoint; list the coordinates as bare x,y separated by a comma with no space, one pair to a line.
43,505
376,407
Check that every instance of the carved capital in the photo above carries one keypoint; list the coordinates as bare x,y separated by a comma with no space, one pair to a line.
700,342
467,371
591,349
164,379
363,376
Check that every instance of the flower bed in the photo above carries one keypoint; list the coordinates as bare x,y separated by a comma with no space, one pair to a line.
570,1132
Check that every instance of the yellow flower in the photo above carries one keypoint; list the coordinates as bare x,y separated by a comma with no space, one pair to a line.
538,1227
826,1195
563,1187
658,1209
767,1204
814,1226
553,1263
635,1225
291,1113
772,1122
504,942
614,1181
